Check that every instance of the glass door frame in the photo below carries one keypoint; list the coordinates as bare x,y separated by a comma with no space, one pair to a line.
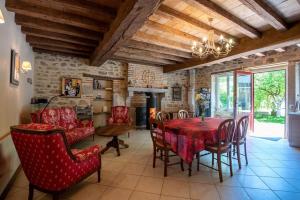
235,105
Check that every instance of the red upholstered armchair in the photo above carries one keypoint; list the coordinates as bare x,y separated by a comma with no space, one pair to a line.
120,116
48,162
66,118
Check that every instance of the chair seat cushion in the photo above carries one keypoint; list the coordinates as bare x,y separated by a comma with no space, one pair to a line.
83,154
77,134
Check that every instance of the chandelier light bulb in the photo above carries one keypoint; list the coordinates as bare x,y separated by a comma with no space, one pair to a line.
221,37
230,41
204,39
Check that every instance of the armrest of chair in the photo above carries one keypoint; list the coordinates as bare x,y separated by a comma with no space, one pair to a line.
85,123
84,154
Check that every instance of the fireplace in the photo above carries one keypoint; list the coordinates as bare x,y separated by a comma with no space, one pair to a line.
144,103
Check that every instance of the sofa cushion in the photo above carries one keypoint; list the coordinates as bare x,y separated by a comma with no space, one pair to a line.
68,118
77,134
51,116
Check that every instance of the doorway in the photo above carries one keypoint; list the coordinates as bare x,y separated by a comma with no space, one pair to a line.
269,104
258,92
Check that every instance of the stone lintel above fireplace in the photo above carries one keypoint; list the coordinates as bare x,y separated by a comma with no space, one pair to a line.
132,90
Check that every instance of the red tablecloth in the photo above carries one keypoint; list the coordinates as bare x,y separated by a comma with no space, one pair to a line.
192,134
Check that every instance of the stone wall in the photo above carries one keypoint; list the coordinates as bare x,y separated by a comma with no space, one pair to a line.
136,78
203,76
50,69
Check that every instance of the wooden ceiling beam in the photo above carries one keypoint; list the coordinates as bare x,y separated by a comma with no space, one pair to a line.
78,7
267,13
40,24
172,31
58,36
240,24
136,61
131,16
156,39
64,52
156,48
143,57
150,53
270,40
48,14
56,43
172,12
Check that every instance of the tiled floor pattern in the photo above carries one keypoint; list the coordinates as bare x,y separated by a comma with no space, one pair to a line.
273,173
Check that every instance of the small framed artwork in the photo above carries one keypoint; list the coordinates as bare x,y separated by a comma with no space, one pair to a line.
71,87
14,68
176,93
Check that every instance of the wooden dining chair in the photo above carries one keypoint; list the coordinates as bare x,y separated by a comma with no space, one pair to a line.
163,116
160,143
240,138
223,145
182,114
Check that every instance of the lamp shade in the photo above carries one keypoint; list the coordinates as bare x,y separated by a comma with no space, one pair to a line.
26,66
1,18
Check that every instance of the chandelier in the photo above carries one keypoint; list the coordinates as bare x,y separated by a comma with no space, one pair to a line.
212,45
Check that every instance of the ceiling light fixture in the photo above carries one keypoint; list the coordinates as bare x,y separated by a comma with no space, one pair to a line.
208,46
1,18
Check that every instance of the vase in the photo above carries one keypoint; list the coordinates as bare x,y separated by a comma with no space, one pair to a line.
202,117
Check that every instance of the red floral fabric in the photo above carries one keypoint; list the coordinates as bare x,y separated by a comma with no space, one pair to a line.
83,154
192,134
66,118
77,134
46,161
120,115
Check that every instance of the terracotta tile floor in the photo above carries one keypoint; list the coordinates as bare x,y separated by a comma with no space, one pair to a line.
273,173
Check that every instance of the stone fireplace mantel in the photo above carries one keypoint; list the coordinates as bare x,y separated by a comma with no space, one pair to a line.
132,90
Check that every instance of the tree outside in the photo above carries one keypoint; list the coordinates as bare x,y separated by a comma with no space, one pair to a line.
269,96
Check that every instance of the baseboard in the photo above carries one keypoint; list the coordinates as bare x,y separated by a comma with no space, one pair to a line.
10,183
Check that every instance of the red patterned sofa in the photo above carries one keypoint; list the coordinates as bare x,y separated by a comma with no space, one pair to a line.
47,160
66,118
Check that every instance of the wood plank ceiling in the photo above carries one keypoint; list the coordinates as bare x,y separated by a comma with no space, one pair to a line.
154,32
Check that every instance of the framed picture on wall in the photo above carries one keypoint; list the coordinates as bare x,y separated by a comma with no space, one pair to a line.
176,93
14,68
71,87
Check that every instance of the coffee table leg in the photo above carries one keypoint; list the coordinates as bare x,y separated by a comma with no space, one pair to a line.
121,142
116,145
108,145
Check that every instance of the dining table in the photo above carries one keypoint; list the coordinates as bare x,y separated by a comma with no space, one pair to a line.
188,136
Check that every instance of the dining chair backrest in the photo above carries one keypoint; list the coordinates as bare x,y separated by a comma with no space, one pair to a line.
226,132
157,131
163,116
242,128
182,114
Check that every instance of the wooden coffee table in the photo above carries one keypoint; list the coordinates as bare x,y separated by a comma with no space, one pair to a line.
114,132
